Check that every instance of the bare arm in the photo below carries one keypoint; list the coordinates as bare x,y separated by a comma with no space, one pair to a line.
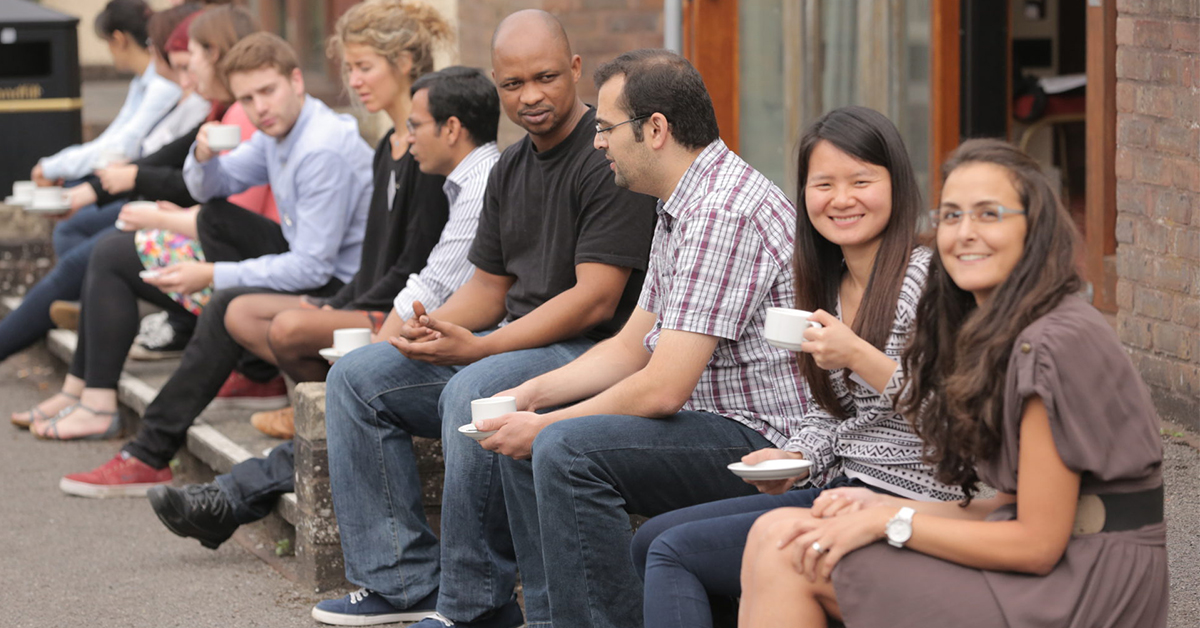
478,304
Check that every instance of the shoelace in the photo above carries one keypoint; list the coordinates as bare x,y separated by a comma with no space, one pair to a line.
442,618
210,499
359,595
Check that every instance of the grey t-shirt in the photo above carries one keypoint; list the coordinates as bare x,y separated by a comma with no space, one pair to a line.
546,212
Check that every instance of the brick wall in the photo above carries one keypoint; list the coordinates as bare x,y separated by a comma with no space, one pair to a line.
1158,198
598,29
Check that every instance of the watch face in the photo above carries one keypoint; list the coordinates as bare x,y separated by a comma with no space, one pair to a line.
899,531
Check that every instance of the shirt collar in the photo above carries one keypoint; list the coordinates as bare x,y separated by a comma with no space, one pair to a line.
464,169
306,113
681,195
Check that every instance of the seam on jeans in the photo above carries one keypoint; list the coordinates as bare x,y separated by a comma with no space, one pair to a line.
374,422
399,388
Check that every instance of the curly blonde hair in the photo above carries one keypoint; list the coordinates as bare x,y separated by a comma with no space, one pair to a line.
392,28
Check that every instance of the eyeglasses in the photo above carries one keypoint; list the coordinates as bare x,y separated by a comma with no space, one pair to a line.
984,215
606,129
412,128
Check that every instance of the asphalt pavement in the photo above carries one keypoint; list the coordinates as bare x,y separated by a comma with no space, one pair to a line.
72,562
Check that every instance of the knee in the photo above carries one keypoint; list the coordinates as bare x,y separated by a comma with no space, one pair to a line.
236,316
63,238
286,330
554,451
646,542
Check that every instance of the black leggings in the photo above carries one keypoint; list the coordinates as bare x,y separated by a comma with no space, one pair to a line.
109,310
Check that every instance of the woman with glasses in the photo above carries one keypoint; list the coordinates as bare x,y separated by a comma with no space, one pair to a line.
1015,382
859,269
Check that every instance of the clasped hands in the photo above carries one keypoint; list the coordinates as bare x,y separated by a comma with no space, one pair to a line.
427,339
840,521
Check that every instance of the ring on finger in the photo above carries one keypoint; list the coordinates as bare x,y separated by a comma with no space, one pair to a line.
816,547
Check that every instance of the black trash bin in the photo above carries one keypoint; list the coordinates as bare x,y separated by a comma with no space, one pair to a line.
39,87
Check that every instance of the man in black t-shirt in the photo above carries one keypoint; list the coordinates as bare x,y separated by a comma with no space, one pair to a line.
560,254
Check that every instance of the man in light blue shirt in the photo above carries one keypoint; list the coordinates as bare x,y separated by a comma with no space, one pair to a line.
319,169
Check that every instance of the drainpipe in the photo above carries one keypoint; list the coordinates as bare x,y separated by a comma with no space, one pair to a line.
673,25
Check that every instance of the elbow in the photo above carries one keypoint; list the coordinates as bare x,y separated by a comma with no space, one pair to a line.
663,402
1040,561
601,311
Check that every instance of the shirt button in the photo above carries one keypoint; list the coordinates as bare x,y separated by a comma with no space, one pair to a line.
1025,347
287,220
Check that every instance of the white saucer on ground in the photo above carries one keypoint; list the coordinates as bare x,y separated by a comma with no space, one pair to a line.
470,430
778,469
331,354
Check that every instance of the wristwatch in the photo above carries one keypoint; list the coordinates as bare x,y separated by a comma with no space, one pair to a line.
899,527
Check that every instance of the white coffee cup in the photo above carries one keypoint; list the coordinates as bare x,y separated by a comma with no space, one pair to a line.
224,136
492,407
23,191
347,340
49,198
785,327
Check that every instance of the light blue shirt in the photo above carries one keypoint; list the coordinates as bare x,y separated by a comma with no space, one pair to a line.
150,97
320,174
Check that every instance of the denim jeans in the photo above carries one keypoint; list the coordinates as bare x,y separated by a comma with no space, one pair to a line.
689,555
74,239
253,485
569,506
376,401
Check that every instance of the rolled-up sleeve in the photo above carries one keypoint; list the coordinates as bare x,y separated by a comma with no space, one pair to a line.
324,202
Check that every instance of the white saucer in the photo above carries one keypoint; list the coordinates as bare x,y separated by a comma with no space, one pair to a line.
12,200
784,345
772,469
331,354
48,209
469,430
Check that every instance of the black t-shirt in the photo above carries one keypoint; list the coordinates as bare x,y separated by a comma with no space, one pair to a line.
399,234
543,213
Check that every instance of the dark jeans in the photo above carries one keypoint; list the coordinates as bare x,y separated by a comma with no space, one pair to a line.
253,485
74,239
569,506
227,233
690,555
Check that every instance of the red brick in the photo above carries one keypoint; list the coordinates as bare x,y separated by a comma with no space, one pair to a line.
1124,165
1151,236
1173,206
1152,169
1124,295
1187,311
1133,64
1133,6
1127,96
1134,265
1185,173
1157,372
1166,68
1124,31
1155,101
1172,340
1185,36
1177,137
1185,243
1136,332
631,22
1132,197
1124,229
1173,274
1134,131
1152,34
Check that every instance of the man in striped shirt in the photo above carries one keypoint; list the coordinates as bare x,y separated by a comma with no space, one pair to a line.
464,153
688,386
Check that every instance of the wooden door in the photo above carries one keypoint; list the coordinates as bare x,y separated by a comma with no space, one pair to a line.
1101,196
710,42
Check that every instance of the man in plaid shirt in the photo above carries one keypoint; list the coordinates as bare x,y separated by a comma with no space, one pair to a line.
689,384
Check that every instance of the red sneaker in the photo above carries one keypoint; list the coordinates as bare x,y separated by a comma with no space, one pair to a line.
242,392
123,476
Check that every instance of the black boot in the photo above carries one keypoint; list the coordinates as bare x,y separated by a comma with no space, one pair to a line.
199,511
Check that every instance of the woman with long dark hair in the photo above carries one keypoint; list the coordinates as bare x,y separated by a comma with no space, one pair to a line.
1013,381
859,269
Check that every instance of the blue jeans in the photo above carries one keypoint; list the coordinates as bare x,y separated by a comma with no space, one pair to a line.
687,555
74,239
569,506
376,401
253,485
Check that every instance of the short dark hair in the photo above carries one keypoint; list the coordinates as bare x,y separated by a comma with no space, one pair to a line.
257,51
464,93
131,17
660,81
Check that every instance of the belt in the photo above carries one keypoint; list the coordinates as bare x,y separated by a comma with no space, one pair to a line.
1116,512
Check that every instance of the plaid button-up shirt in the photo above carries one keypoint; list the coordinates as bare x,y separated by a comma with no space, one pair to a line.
721,255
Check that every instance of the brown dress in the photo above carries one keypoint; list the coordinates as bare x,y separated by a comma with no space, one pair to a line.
1105,429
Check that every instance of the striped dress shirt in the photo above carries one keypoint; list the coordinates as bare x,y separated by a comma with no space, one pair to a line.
447,267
